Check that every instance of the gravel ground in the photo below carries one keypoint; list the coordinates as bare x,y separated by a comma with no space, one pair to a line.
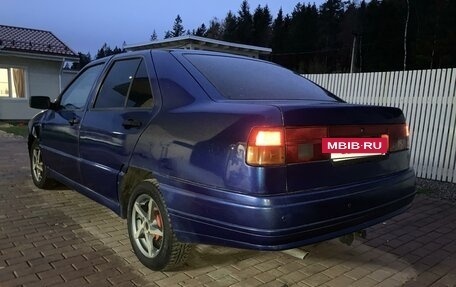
9,135
437,189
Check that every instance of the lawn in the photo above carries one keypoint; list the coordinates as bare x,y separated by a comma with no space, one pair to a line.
17,129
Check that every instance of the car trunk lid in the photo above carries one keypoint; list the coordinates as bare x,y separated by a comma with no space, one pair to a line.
298,144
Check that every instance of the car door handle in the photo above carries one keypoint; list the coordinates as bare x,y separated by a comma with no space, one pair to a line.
73,121
131,123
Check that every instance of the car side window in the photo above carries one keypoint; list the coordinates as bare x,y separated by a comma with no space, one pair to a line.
114,90
140,93
76,94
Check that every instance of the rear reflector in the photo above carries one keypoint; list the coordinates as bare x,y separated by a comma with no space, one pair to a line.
304,144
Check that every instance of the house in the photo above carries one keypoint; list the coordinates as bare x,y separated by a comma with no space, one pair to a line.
202,43
31,64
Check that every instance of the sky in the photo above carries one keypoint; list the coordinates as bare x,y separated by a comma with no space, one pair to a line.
85,25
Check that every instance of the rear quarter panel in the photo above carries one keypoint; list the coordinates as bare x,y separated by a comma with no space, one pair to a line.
194,139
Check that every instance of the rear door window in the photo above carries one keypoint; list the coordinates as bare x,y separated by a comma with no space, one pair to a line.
140,93
126,85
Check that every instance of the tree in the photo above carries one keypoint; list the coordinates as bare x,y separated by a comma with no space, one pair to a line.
230,28
331,13
303,34
178,28
323,39
106,51
444,56
215,30
431,34
262,30
301,38
279,33
117,50
154,36
383,36
245,24
201,31
405,34
349,38
168,34
84,59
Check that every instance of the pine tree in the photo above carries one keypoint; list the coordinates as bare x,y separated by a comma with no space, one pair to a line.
84,59
230,28
215,30
330,18
104,51
201,31
153,37
262,30
178,28
313,39
168,34
245,24
116,50
279,33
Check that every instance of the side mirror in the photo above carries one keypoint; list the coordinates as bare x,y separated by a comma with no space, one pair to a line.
40,102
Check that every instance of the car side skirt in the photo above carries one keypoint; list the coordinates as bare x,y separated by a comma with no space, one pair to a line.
114,206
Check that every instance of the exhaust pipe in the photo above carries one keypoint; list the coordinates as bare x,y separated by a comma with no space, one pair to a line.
296,252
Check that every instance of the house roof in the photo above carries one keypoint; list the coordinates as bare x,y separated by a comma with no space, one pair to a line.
182,40
33,41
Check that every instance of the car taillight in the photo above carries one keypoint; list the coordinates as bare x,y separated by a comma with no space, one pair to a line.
397,134
398,137
276,146
266,147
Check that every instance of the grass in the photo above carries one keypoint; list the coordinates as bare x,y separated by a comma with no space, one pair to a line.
17,129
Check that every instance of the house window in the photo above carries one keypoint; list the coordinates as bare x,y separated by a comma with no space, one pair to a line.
12,83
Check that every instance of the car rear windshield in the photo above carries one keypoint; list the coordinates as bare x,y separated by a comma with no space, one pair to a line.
249,79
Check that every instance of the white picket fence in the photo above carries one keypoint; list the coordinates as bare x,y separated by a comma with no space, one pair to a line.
428,100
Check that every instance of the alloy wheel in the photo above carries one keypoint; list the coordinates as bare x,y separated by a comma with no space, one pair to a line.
147,226
37,164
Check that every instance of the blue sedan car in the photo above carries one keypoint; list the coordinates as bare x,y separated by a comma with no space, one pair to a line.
202,147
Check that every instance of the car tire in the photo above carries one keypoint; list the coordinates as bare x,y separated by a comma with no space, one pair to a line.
150,230
38,168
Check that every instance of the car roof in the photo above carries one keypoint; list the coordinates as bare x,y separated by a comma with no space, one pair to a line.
205,52
180,52
172,51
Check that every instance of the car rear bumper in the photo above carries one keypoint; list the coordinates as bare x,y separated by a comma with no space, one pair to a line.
209,216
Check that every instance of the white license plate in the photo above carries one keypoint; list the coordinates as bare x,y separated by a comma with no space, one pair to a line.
349,156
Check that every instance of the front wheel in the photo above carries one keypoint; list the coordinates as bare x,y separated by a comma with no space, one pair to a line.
150,231
39,171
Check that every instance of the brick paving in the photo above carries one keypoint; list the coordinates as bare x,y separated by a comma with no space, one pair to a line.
59,237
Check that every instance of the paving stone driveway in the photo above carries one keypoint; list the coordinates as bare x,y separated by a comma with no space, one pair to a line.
60,237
